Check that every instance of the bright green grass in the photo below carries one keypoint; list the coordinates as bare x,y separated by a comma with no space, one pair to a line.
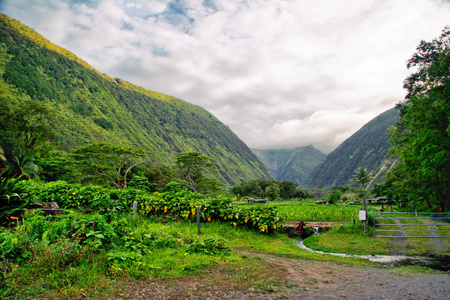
348,243
292,212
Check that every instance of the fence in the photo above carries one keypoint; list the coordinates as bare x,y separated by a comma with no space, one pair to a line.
411,225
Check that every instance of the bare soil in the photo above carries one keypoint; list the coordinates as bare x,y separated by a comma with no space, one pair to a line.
289,278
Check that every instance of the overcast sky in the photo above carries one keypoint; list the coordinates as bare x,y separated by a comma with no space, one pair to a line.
279,73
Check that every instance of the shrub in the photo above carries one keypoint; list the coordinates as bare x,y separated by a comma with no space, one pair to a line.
210,246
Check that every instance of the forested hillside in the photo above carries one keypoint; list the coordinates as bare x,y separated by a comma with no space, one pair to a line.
291,164
87,106
367,148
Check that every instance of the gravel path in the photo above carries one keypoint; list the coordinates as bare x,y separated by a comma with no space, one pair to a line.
328,280
399,245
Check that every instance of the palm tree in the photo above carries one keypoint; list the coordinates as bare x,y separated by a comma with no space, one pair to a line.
363,177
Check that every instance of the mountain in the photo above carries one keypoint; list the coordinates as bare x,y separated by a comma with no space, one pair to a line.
367,148
88,106
292,164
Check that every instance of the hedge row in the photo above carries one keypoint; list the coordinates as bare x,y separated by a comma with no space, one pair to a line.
180,204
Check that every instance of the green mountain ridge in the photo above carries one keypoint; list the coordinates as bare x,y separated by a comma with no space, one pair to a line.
367,148
88,106
291,164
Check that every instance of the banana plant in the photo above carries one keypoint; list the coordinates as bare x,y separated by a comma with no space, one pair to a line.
11,196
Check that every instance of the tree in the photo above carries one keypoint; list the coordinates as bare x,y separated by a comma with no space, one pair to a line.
23,130
192,167
361,176
421,137
288,189
272,192
108,162
334,197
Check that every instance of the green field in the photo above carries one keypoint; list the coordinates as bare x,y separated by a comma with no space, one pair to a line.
318,213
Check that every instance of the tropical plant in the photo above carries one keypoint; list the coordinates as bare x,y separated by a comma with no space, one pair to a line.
363,177
23,165
11,196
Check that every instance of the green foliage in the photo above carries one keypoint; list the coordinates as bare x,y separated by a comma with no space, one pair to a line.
183,205
421,137
192,167
174,203
210,246
272,192
334,197
12,196
141,183
271,189
109,163
344,188
362,177
91,231
158,175
319,213
23,129
55,164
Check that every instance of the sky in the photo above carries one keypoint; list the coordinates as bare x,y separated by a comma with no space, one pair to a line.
280,73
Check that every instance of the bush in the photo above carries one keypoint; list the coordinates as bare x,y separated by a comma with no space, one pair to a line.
210,246
334,197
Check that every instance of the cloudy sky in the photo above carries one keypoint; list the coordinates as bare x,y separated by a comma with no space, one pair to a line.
279,73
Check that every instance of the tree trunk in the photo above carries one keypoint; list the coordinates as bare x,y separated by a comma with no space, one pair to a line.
366,221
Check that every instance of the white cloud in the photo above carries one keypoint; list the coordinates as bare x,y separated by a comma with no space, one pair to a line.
280,73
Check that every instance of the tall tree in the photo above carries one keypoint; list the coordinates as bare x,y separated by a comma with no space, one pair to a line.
363,177
193,166
108,162
422,136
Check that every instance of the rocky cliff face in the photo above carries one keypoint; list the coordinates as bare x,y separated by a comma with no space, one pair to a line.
368,148
291,164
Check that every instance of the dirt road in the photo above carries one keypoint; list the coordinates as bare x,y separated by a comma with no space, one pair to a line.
329,280
308,279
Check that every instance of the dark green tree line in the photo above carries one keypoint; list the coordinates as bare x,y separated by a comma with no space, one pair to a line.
421,139
269,188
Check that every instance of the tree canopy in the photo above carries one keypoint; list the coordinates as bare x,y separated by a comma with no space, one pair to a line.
193,167
421,137
109,162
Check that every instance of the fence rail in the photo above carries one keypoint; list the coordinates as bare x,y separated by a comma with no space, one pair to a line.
400,221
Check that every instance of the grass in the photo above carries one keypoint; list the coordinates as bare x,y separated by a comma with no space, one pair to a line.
416,232
350,240
306,212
